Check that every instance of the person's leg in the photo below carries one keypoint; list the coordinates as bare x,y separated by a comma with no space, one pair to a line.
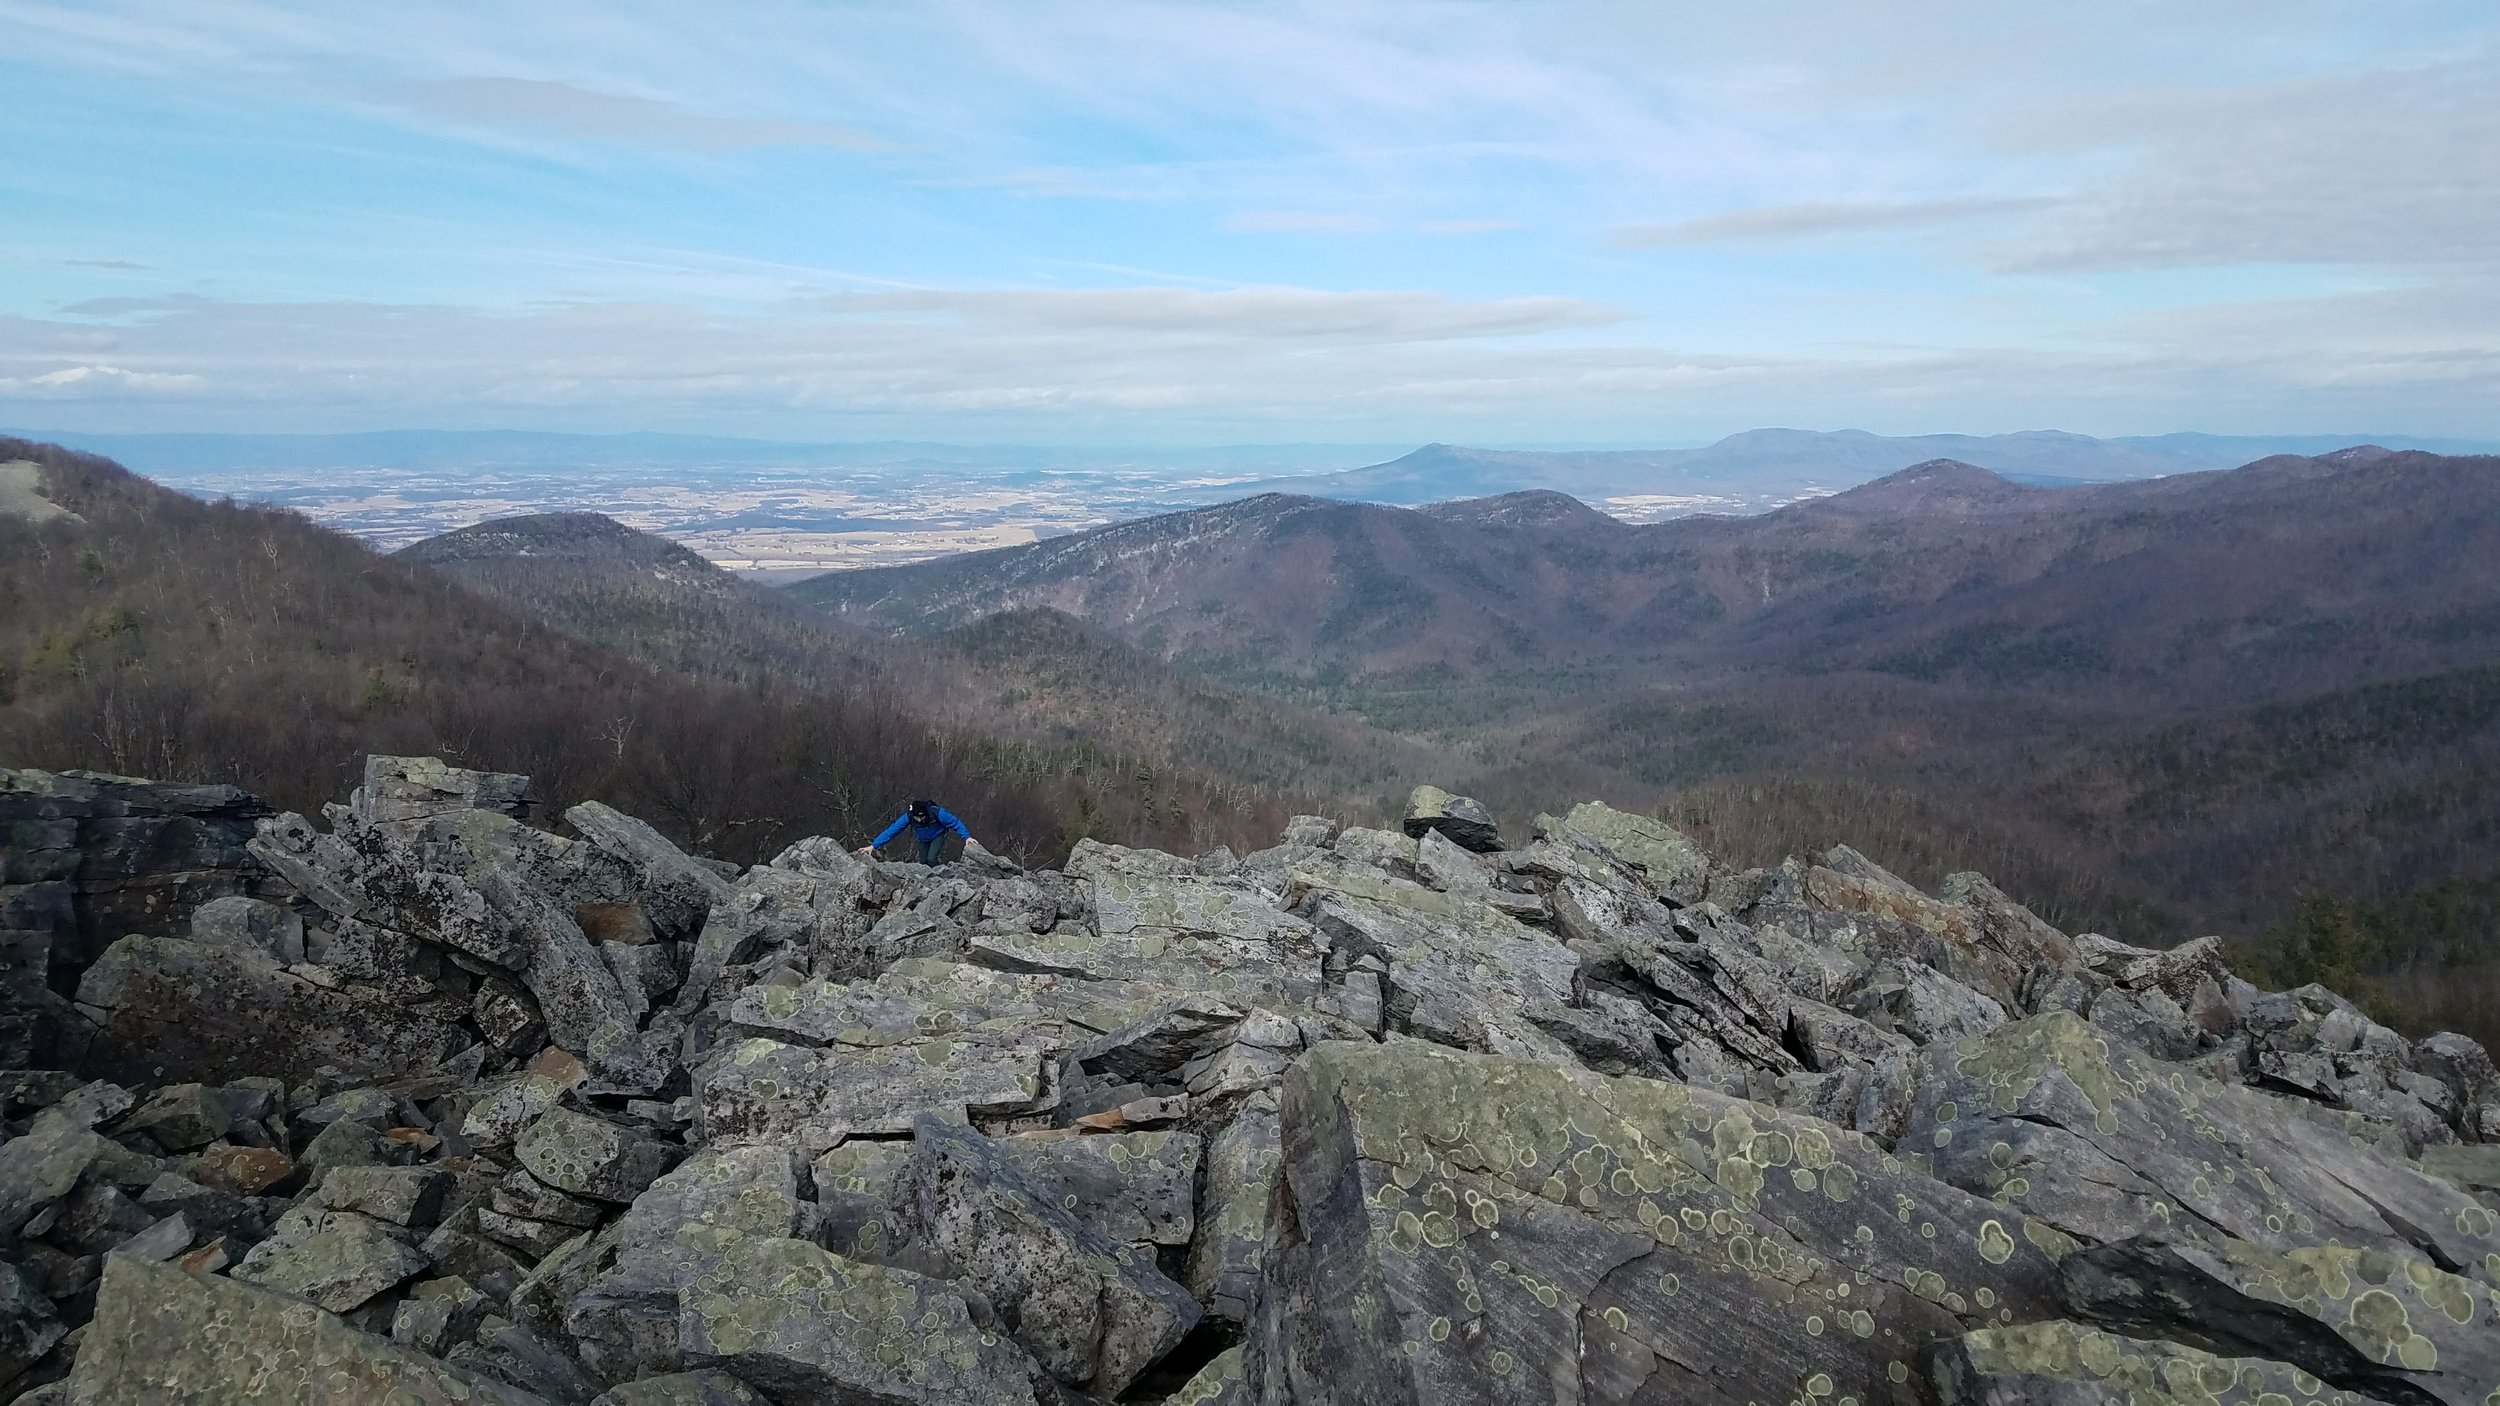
933,851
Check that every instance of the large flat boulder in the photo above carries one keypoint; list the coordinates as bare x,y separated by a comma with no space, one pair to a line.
168,1008
1470,1228
164,1337
804,1325
2104,1142
1092,1311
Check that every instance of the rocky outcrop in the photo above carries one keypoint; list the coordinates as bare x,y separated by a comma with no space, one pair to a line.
86,858
422,1102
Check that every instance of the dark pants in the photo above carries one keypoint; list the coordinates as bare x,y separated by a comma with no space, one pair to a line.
932,849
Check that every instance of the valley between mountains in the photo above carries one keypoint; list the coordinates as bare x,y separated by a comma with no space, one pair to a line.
2156,708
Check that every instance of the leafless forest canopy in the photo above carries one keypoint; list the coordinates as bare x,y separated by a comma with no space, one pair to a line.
2210,707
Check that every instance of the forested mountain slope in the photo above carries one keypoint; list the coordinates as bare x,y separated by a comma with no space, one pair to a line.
158,634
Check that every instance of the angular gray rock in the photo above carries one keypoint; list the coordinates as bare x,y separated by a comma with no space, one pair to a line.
337,1259
166,1007
635,1275
164,1337
1459,819
2069,1364
2104,1143
2389,1327
675,891
802,1324
1597,1119
590,1156
1464,1227
1094,1313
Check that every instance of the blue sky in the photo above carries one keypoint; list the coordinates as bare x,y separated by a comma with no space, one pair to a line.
1470,220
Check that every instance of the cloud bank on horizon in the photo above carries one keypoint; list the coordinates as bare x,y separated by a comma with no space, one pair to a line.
1186,222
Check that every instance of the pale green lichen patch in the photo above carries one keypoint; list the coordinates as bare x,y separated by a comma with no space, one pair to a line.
2010,1061
1478,1154
2024,1361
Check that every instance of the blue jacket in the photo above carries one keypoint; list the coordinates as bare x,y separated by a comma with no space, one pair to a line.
945,821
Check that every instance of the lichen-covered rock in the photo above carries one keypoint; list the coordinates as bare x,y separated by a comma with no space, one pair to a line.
803,1325
591,1156
2103,1142
163,1337
1219,1383
167,1007
2067,1364
337,1259
920,999
682,1389
1243,1159
1093,1312
764,1089
1461,820
634,1274
402,1196
1463,1227
2368,1321
1673,865
1136,1188
675,892
398,790
249,925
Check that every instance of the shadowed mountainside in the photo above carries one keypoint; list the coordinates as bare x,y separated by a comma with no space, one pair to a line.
2159,706
220,642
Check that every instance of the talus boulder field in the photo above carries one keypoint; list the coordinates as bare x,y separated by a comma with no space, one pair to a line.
424,1102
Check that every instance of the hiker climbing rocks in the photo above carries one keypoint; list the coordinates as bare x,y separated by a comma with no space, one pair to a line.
928,822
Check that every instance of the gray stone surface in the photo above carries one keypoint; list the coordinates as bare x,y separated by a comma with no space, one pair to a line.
2383,1325
802,1324
1463,1227
1094,1313
1459,819
162,1337
170,1008
1597,1120
2069,1364
590,1156
337,1259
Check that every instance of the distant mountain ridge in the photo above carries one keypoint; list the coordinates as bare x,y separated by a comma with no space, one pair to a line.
1779,464
2224,565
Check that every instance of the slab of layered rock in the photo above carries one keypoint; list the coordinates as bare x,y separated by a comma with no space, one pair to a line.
2368,1321
1463,1227
1459,819
166,1006
1092,1311
2103,1142
816,1097
802,1324
163,1337
2070,1364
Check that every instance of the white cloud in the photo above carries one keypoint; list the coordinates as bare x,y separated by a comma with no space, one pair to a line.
540,105
100,381
1818,218
2387,168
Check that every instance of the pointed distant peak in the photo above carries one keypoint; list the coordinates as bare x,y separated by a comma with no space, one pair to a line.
1533,507
1939,473
1935,487
579,535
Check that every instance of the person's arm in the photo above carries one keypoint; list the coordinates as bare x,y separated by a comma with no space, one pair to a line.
947,818
890,832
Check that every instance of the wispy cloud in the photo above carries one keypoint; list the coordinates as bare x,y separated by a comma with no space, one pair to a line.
92,381
546,106
119,265
1816,219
